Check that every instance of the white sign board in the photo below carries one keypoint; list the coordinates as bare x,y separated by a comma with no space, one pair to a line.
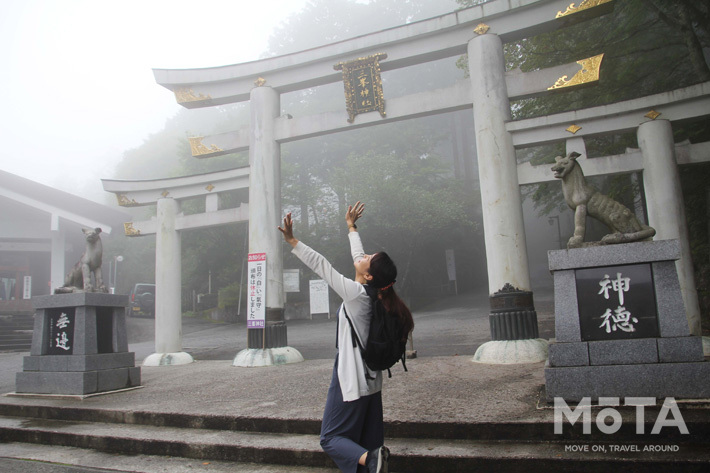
319,297
27,290
256,304
291,280
451,265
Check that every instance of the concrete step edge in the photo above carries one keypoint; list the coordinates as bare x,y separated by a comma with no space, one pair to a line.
428,455
89,458
170,441
15,348
700,427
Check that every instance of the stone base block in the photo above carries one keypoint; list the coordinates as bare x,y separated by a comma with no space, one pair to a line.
623,352
569,354
659,380
680,349
500,352
71,382
96,299
168,359
103,361
276,336
253,357
110,380
514,325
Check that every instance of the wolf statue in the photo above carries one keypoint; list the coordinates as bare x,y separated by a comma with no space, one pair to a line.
586,200
79,279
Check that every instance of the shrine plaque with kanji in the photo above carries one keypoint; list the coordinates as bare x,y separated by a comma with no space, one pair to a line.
363,85
617,302
61,331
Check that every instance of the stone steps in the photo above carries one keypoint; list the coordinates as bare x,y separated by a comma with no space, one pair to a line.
18,457
16,345
696,416
16,332
442,447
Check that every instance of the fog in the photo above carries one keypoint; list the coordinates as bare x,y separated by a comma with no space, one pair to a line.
81,104
77,81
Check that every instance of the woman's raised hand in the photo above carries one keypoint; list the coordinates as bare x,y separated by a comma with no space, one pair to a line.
287,230
354,212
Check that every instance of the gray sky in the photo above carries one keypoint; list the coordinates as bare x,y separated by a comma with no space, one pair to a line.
76,81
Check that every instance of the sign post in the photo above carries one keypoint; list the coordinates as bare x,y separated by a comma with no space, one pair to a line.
291,280
319,297
27,288
256,315
451,269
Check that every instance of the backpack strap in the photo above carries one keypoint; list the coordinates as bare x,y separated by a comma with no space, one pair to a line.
353,332
357,343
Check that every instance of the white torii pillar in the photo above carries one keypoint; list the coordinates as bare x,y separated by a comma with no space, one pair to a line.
266,346
666,211
58,257
503,226
168,310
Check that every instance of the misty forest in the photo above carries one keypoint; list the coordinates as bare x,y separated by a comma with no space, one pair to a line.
419,178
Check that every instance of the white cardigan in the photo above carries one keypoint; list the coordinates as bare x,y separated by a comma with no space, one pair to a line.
351,368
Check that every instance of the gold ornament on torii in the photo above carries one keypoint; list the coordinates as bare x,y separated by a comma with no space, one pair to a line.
185,95
482,28
588,73
584,5
129,230
198,148
124,201
653,114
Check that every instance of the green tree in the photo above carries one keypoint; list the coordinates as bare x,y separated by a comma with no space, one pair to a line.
315,172
649,47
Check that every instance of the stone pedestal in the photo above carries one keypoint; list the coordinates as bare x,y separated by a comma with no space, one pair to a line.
513,315
514,330
267,348
620,325
79,346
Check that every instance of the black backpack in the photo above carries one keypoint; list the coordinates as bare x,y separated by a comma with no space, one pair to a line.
384,342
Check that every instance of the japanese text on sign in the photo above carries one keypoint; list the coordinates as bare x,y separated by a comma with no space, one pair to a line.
616,302
27,288
62,340
620,318
256,311
319,296
61,331
363,85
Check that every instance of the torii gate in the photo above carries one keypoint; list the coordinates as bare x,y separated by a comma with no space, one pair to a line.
479,31
166,226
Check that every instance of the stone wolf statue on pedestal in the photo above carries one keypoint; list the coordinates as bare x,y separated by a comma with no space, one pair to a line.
586,200
79,279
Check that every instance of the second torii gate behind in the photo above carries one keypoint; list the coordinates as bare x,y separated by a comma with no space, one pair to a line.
166,226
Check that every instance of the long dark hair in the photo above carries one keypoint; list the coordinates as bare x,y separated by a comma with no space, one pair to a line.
384,273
